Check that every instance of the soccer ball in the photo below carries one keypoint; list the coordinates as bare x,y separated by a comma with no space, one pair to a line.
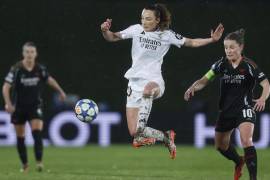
86,110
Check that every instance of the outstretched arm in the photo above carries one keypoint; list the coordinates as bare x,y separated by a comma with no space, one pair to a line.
54,84
215,36
196,86
260,103
107,34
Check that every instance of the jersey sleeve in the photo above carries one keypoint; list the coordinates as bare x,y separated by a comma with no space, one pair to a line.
259,75
10,77
176,39
130,31
44,73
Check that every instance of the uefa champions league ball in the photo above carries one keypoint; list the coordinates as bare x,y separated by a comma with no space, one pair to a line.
86,110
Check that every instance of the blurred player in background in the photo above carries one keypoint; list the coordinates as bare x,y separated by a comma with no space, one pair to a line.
151,41
26,79
238,76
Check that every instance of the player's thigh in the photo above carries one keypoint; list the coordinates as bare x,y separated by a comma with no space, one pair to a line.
246,130
151,88
222,139
19,117
36,124
132,119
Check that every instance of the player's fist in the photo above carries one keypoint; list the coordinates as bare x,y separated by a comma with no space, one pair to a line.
189,93
105,26
10,108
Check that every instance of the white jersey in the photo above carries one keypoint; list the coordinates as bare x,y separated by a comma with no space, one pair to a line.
148,50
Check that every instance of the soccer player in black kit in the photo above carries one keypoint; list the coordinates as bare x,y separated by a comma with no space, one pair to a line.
26,79
238,76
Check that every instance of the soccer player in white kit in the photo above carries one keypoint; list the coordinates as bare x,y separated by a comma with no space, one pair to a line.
151,40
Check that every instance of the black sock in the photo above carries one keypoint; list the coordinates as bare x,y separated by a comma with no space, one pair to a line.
251,161
38,145
21,148
231,154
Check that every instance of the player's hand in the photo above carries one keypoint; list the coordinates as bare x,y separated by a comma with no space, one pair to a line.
189,93
62,96
106,25
216,35
10,108
259,104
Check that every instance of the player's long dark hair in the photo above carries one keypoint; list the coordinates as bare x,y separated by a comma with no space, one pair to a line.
161,12
238,36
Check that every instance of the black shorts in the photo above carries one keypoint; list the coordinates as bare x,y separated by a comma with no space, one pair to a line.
21,115
227,122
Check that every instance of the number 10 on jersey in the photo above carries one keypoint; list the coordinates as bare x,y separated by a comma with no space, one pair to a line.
247,113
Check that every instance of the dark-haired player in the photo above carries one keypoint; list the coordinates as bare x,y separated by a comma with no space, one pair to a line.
26,79
151,41
238,76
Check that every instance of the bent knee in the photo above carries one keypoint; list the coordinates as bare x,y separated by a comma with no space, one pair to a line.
147,92
151,92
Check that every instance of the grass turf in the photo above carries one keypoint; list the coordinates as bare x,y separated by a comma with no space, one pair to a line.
122,162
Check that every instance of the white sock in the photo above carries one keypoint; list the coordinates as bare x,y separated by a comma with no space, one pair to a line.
153,133
144,112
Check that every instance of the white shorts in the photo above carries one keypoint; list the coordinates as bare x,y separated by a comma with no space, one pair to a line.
135,90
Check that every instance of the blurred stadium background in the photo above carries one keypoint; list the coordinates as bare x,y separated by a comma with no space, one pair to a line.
67,33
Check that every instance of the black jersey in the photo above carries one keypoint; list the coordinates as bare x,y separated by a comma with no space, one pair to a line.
27,85
236,84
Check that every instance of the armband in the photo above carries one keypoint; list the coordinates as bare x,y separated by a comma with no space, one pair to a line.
210,75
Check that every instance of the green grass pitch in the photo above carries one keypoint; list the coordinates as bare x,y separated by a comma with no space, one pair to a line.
122,162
